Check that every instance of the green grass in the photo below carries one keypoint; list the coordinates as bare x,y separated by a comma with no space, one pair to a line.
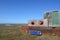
15,33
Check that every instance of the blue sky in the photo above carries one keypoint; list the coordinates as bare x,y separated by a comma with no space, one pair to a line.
20,11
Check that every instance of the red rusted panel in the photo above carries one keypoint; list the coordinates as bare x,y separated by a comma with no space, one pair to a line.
25,28
46,30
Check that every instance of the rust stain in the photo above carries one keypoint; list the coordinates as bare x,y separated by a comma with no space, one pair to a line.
44,30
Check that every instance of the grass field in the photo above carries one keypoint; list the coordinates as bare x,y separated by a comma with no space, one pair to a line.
15,33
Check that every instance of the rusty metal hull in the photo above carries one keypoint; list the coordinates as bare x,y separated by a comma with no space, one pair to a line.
46,30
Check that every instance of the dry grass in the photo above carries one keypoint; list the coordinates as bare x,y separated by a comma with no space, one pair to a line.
15,33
